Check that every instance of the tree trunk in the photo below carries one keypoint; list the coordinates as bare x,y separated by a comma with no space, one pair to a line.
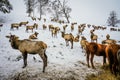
40,13
66,17
29,14
40,10
33,13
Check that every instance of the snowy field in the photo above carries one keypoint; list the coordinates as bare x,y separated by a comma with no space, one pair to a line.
63,62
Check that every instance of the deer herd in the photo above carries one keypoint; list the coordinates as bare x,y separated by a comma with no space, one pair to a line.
108,48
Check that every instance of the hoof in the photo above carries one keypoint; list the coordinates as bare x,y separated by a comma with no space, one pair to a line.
93,67
23,66
43,71
88,66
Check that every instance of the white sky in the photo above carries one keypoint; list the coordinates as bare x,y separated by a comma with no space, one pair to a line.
83,11
94,11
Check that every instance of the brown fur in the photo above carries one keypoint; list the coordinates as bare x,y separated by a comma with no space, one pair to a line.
33,18
15,25
33,36
107,36
95,49
93,37
31,27
80,30
57,29
29,47
36,25
111,53
76,39
44,26
64,27
91,31
72,27
109,41
51,27
23,23
68,37
83,43
118,58
54,32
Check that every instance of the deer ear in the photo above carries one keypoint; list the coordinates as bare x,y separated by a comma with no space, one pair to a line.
7,36
17,37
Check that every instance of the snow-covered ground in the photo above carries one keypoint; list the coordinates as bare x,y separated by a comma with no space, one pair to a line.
63,62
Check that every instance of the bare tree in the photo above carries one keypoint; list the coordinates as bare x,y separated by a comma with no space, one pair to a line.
41,4
65,9
29,7
112,19
34,4
56,8
5,6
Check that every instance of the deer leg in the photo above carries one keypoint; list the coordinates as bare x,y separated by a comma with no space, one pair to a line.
26,30
82,49
71,44
114,69
24,59
32,30
84,52
52,34
67,44
87,57
110,66
104,60
44,58
56,35
92,56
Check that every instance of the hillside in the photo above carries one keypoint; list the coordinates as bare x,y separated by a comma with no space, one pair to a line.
64,63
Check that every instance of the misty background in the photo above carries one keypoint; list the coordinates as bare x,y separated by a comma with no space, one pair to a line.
83,11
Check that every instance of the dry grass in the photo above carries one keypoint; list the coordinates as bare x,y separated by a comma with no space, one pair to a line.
105,74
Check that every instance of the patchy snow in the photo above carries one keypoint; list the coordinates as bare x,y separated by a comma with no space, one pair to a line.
63,62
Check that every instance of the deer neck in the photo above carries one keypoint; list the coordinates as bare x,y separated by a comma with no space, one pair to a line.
15,44
63,35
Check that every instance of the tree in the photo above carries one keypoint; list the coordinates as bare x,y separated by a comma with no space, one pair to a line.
65,9
29,7
61,9
34,4
56,9
41,5
5,6
30,4
112,19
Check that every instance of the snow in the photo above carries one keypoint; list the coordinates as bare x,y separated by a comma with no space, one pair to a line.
63,61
